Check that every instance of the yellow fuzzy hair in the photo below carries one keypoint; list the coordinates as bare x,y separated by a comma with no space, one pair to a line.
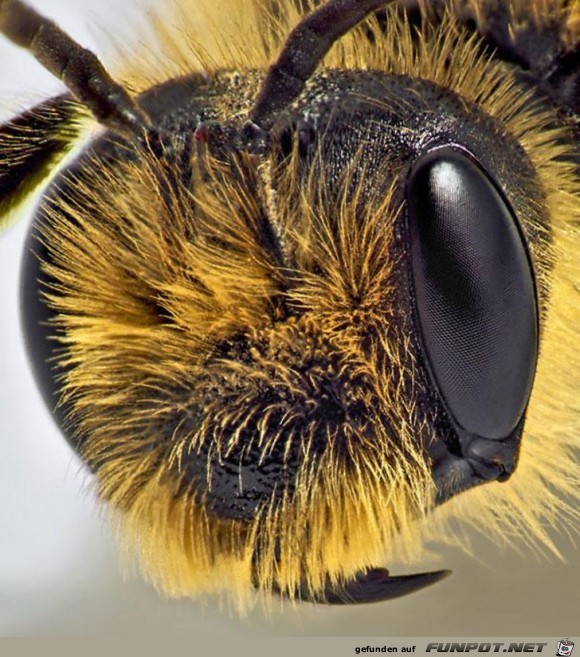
347,514
563,14
213,288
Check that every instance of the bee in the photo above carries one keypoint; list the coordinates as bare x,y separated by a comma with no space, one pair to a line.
309,294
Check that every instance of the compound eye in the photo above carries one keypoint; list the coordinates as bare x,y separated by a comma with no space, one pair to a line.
474,291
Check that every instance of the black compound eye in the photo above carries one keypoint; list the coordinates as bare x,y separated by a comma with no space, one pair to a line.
474,293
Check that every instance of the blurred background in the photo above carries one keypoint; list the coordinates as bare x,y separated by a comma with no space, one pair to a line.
59,572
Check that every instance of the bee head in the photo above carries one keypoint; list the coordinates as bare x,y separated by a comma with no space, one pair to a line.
275,360
283,341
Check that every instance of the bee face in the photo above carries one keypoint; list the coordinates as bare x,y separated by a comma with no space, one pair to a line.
279,349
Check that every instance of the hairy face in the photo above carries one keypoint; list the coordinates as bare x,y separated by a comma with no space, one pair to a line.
241,355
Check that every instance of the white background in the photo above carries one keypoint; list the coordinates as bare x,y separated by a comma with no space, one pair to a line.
59,574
